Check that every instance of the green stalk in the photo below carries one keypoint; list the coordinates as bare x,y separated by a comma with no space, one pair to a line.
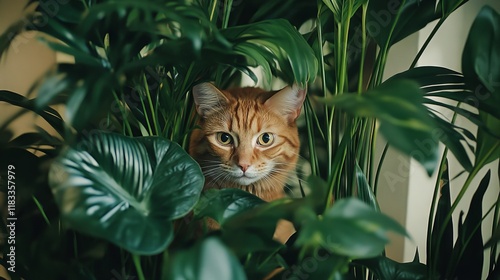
385,49
432,213
212,10
40,208
431,262
493,251
310,136
146,116
324,88
427,41
342,77
227,11
151,107
363,47
373,143
138,267
124,116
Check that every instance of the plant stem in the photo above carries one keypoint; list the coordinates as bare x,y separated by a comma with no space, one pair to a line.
308,111
138,267
151,107
363,47
323,85
227,12
427,41
124,115
495,226
212,12
430,223
385,49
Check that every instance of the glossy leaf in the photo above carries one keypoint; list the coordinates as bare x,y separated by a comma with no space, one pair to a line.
222,204
481,55
126,190
267,42
404,121
209,259
350,228
480,59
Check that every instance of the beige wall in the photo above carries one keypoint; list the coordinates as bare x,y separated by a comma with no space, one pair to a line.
26,61
446,50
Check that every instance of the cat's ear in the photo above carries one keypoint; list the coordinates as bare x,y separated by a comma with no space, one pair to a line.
208,99
288,101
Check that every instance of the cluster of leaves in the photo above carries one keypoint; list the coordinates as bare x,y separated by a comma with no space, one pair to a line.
117,175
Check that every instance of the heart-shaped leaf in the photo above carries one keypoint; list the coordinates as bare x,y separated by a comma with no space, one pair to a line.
223,204
350,228
126,190
209,259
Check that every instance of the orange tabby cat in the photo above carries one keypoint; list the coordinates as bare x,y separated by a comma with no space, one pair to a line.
248,139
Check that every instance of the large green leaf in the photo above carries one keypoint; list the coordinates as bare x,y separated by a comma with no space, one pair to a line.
443,87
209,259
404,120
269,42
350,228
223,204
480,61
481,55
126,190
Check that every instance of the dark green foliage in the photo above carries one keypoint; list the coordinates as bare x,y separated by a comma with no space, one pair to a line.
123,199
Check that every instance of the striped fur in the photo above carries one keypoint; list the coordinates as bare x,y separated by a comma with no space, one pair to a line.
245,114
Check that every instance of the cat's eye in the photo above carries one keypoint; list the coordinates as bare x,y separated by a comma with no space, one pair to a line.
224,138
265,139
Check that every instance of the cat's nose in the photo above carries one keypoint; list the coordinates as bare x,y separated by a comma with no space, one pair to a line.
244,166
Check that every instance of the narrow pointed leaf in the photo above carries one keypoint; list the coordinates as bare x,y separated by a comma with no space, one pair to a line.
469,251
404,120
444,245
365,192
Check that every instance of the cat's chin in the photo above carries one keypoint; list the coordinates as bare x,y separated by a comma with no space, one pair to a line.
245,180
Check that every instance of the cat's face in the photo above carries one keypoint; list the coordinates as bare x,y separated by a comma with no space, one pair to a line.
248,136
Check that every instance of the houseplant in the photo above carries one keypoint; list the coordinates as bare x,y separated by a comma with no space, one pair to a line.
135,63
